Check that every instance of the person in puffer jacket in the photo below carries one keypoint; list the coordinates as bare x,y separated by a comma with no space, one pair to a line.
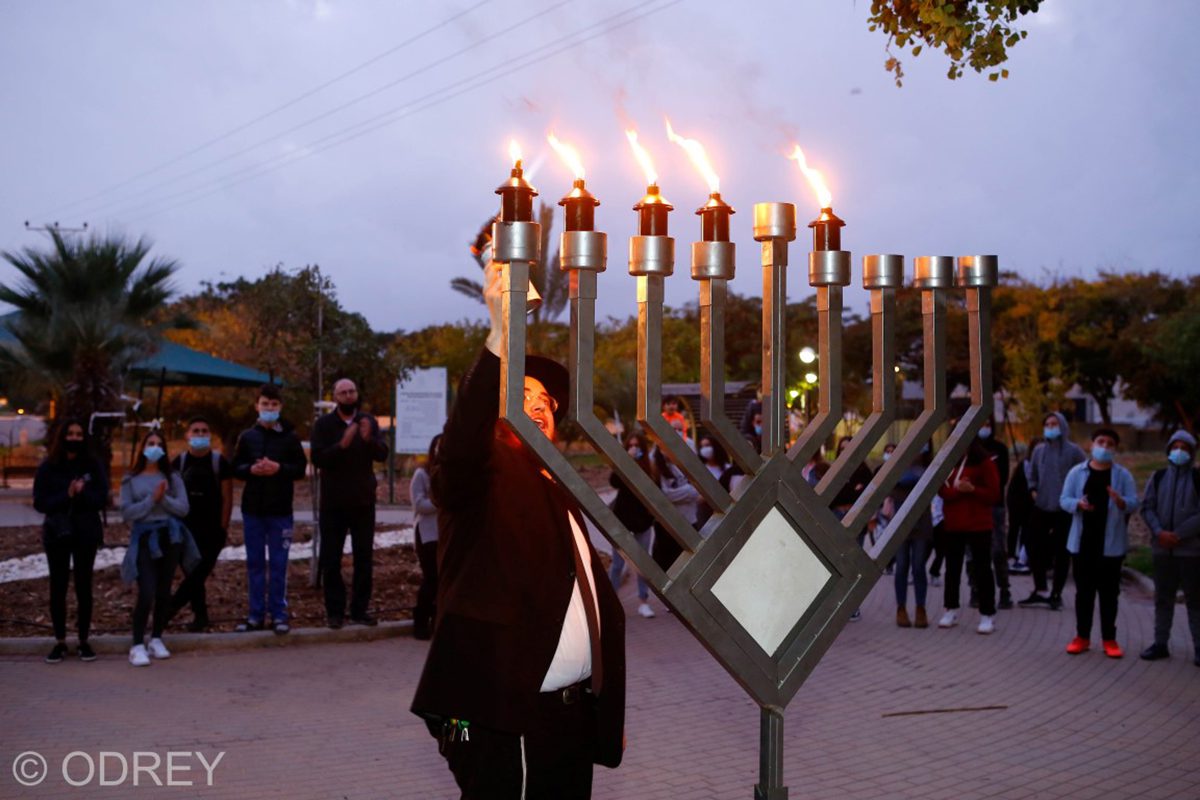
1047,543
1171,508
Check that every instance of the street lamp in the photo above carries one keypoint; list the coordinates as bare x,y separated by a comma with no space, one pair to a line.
808,355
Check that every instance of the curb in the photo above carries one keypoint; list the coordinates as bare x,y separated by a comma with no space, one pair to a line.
118,644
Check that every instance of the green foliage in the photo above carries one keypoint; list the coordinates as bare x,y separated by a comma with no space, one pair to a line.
88,310
972,33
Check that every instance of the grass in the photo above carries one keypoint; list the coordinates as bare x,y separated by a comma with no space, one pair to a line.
1140,559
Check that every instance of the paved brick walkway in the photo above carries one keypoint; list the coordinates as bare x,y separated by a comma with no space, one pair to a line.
330,721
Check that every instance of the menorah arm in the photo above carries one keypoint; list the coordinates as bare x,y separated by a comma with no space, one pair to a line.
649,396
829,347
713,294
582,359
883,394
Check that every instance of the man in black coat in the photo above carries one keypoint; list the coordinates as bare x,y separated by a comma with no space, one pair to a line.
346,443
524,685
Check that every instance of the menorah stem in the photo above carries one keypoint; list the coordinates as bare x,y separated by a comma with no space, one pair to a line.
774,343
650,336
770,756
881,275
713,293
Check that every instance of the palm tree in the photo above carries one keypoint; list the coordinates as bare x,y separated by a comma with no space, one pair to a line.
86,311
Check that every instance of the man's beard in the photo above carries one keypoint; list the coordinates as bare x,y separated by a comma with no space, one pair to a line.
347,408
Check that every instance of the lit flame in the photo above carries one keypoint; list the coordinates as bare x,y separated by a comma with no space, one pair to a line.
514,152
696,153
815,179
643,158
568,154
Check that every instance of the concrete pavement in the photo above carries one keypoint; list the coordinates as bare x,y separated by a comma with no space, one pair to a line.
886,714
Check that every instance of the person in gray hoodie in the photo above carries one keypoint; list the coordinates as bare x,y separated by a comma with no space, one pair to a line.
1171,509
1049,524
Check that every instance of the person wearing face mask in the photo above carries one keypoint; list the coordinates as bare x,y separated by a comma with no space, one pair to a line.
1100,496
1047,543
269,458
634,515
155,501
717,463
208,477
346,443
71,489
998,452
1171,509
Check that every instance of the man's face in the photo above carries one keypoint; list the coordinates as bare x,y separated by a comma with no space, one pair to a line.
198,429
1107,442
268,404
345,393
74,433
540,406
1051,422
1177,445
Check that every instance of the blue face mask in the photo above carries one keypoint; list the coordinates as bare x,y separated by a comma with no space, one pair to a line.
269,417
985,433
200,442
636,452
758,430
1101,454
1051,434
153,453
1179,457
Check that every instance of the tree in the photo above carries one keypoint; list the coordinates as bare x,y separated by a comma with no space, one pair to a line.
1161,361
87,310
973,33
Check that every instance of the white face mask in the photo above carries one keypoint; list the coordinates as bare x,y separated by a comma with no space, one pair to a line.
706,452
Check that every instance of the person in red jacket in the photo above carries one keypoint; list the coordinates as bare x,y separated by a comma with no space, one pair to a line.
968,496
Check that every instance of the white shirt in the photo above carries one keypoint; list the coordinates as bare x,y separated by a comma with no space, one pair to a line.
572,660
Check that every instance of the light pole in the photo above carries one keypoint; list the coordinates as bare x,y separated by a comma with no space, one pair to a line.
808,357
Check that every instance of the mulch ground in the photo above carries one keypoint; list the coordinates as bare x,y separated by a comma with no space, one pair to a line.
24,605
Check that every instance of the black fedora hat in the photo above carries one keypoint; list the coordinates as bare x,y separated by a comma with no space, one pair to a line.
555,378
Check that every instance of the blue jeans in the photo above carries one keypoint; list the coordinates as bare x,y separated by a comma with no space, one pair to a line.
618,565
911,556
267,537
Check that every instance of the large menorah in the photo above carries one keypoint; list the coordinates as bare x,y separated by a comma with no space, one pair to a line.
774,575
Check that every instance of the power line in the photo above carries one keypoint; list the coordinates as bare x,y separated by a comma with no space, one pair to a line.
146,192
282,107
392,116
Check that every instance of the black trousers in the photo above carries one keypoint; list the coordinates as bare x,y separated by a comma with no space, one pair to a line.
1046,546
191,589
980,545
426,608
938,549
1100,575
60,553
553,761
154,577
665,548
335,524
1171,573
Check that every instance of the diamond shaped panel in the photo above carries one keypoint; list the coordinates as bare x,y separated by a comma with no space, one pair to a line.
771,582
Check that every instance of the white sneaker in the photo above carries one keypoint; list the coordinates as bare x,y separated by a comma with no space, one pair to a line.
949,619
986,625
645,610
158,649
138,656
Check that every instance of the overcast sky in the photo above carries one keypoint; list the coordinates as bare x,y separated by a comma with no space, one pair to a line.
222,131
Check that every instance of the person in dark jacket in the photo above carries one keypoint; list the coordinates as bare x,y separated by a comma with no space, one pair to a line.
998,452
269,459
524,685
1047,543
346,443
1171,509
71,489
634,515
1019,502
208,476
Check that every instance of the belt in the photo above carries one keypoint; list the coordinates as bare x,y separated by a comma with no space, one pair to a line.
569,695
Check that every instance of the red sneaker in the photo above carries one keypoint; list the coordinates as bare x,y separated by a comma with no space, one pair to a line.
1112,649
1078,645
